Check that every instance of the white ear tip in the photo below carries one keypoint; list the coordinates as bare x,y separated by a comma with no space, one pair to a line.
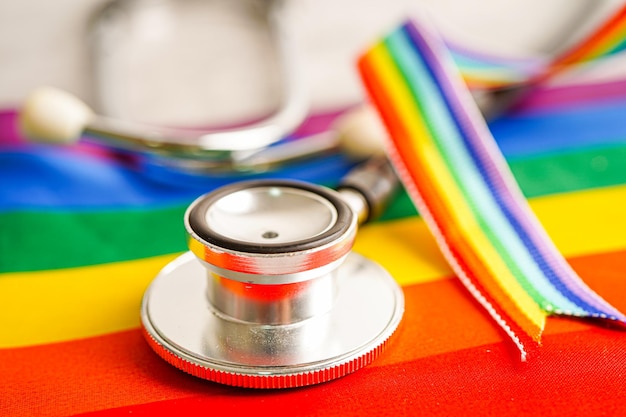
361,133
53,115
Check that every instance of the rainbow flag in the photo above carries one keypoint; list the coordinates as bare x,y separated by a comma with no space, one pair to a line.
83,232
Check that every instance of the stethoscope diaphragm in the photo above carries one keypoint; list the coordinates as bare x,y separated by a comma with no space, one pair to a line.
270,295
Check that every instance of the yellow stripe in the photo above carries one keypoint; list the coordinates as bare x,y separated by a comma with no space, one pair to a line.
584,222
405,248
431,161
49,306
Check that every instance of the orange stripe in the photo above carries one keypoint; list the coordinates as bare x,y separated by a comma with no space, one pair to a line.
120,369
86,375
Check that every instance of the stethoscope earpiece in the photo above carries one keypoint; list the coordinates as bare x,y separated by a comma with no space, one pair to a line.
270,295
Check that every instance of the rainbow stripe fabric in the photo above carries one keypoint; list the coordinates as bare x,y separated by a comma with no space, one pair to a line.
608,39
83,232
458,179
483,71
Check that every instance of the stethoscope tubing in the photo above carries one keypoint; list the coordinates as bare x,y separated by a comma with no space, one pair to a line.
202,144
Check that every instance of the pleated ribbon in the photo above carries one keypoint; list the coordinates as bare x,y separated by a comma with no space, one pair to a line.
461,185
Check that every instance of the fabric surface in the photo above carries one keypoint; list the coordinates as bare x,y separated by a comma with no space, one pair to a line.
83,232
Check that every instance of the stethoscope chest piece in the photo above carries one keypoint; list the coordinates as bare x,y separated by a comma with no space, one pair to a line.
270,295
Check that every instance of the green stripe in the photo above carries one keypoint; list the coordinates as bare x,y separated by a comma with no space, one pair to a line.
31,241
49,240
572,171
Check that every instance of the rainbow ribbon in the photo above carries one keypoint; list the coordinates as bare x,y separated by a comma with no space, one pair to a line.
483,71
462,186
606,40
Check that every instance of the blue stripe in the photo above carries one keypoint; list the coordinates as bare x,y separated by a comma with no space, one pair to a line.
591,125
45,178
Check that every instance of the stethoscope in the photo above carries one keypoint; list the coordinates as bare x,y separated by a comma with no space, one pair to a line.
166,153
270,294
53,115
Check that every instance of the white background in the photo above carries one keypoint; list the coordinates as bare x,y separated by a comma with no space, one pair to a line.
200,62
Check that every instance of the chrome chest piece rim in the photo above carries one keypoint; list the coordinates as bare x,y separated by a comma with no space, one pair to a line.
270,295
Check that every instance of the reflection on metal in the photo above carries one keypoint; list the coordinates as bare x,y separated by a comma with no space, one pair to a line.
270,295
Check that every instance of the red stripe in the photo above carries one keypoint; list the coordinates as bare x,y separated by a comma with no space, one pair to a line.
120,369
579,373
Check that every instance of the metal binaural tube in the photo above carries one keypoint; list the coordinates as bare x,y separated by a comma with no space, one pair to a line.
230,145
